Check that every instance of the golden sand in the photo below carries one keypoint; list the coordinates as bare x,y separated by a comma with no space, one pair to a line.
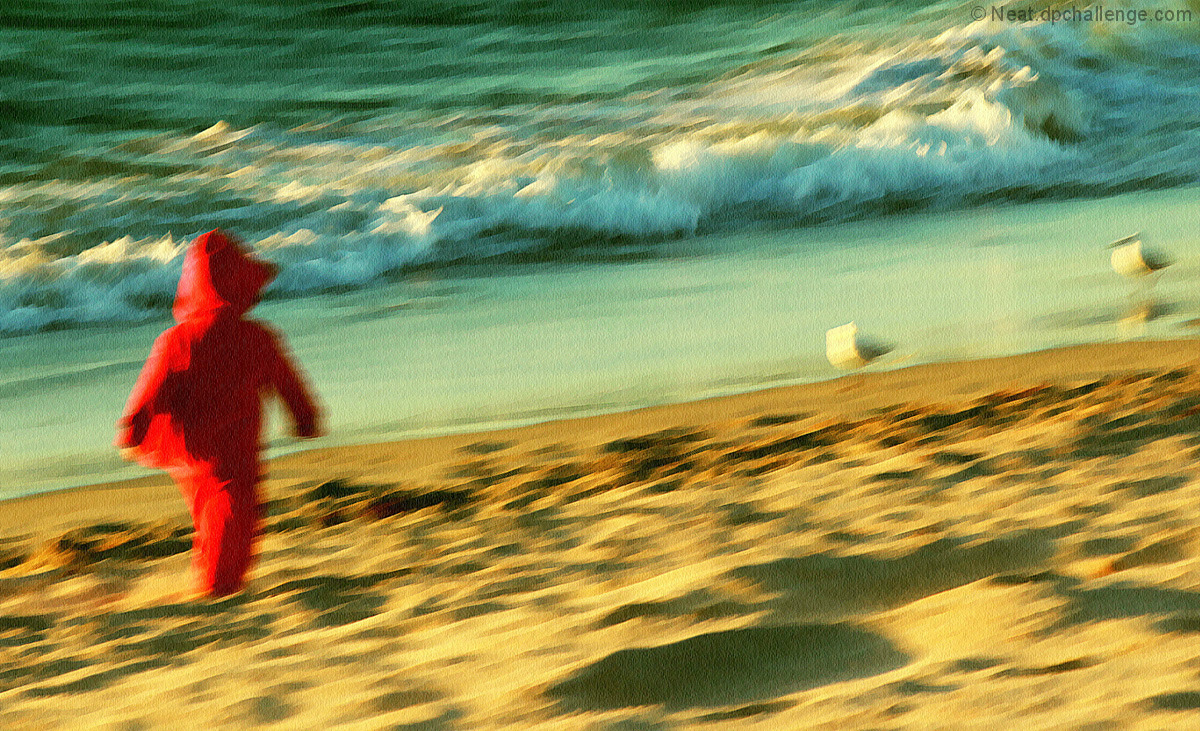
992,544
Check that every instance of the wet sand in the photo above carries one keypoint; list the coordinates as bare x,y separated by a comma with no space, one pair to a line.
1008,542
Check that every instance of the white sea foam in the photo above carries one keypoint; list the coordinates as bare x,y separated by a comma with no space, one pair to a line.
847,128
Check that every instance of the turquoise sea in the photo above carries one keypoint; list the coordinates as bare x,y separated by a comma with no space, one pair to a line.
493,213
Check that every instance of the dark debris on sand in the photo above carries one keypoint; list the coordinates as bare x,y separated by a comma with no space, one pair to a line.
1112,416
521,512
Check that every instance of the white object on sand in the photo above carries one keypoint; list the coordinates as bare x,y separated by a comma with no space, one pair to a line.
1131,258
848,350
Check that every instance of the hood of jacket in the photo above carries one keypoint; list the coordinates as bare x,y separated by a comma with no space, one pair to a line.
219,277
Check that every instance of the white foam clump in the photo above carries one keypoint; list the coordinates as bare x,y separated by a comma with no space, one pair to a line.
312,261
973,145
295,192
752,169
221,133
100,285
607,209
540,205
406,218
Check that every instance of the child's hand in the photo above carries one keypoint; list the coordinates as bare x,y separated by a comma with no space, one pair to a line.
135,427
129,454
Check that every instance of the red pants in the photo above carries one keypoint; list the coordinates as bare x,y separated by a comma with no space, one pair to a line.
227,516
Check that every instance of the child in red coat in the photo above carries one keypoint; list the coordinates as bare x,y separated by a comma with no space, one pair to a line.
196,409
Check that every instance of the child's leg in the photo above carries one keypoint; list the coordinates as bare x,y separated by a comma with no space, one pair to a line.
225,512
233,527
195,488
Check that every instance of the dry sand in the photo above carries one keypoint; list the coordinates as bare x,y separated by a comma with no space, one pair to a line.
1009,543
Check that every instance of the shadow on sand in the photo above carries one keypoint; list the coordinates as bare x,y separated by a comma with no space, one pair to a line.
826,587
723,668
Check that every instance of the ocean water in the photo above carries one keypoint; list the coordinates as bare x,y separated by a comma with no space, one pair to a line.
465,198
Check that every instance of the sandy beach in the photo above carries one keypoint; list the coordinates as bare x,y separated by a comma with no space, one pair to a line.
561,278
998,543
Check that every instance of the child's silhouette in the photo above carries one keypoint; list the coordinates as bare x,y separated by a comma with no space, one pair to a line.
196,410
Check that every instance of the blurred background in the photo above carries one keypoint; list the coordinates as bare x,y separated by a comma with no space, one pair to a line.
506,212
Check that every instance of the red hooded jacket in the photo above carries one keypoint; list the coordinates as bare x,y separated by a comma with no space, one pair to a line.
198,401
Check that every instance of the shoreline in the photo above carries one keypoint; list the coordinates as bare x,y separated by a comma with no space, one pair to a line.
741,311
154,496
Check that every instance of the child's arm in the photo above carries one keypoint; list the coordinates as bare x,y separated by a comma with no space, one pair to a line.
139,409
292,388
